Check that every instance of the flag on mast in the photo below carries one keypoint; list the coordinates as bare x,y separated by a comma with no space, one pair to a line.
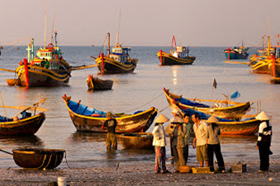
215,83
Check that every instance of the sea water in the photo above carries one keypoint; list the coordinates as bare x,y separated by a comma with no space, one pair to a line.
131,92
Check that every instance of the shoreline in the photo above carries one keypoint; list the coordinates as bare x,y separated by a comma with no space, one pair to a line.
137,174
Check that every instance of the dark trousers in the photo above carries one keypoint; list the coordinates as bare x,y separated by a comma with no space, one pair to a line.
264,155
217,149
160,158
186,153
171,149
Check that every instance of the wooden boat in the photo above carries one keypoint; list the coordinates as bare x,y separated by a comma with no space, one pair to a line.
219,108
95,83
27,125
246,126
178,57
38,158
116,62
90,119
274,68
47,68
139,140
237,52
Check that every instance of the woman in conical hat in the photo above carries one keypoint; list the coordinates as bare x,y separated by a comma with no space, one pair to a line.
159,141
213,143
264,141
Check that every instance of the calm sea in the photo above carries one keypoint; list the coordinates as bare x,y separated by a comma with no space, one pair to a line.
140,90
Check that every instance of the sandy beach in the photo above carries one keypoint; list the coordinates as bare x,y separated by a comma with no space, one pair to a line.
138,174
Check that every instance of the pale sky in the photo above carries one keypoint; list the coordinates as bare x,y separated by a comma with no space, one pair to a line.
142,22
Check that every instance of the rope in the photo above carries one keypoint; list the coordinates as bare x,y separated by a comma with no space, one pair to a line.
147,102
164,108
54,105
66,161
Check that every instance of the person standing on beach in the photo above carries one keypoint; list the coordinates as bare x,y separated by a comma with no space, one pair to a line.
213,144
110,124
187,127
178,143
264,141
199,140
169,130
159,142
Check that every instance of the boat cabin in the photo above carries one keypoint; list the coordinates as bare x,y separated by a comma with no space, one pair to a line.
181,52
120,54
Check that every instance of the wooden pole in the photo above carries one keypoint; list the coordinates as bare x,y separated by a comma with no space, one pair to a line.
160,57
102,64
3,107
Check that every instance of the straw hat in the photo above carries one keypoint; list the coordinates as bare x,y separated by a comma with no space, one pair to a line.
262,116
161,119
212,119
175,111
177,120
109,115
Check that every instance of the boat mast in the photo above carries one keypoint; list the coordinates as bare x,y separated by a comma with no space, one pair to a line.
268,45
108,43
52,27
45,30
117,37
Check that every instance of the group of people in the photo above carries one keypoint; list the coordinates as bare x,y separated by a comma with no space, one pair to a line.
206,141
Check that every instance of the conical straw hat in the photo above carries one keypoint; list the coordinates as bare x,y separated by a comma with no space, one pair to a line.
161,119
177,120
262,116
212,119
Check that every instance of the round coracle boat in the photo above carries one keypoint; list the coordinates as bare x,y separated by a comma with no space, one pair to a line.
38,158
141,140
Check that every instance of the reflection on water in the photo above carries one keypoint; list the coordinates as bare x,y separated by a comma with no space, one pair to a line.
81,137
21,141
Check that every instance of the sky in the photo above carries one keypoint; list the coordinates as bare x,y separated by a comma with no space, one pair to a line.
141,22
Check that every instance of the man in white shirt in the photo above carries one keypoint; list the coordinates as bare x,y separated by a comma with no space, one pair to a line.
199,140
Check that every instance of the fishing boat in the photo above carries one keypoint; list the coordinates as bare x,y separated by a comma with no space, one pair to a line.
219,108
260,63
27,125
274,68
179,56
236,52
95,83
116,62
90,119
46,68
243,126
139,140
38,158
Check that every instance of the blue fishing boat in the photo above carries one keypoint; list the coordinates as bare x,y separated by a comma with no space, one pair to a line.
237,52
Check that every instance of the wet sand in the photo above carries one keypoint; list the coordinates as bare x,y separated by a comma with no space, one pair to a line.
138,174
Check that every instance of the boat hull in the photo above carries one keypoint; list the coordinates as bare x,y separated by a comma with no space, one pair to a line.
39,76
235,55
136,140
27,126
139,122
98,84
38,158
230,112
168,59
111,66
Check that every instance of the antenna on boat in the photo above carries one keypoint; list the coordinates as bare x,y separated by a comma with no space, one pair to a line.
45,30
117,37
108,43
53,26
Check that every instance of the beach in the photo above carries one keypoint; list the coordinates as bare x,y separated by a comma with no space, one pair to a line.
137,174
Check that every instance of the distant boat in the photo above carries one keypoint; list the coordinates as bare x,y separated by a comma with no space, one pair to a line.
89,119
236,52
95,83
116,62
180,56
